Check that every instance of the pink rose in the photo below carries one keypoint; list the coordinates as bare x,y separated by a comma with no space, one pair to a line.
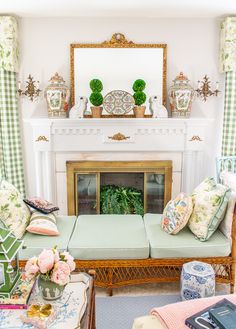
69,259
46,261
71,264
61,273
56,255
31,262
31,268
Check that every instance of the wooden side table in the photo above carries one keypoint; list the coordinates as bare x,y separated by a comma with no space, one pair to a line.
68,308
89,318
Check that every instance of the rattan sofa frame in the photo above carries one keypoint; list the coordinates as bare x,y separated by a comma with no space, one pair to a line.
122,272
116,273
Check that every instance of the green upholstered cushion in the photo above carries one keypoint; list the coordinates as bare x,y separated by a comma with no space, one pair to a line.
184,244
36,243
109,237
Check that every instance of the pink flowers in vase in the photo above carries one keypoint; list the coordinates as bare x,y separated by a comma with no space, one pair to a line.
53,265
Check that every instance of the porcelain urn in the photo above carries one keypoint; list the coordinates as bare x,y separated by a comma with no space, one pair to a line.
181,96
57,97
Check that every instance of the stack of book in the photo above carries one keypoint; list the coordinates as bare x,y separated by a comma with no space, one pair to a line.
20,296
221,315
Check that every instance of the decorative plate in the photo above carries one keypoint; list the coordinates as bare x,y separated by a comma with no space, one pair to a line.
118,102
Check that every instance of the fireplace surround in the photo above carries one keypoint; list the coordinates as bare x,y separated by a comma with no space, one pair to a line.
56,141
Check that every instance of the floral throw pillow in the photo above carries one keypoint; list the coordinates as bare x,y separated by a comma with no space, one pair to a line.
176,214
226,224
229,179
41,205
13,211
210,202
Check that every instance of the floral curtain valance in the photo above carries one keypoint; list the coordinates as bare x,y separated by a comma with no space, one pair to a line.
9,48
228,45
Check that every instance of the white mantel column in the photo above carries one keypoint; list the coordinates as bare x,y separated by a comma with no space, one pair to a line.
44,165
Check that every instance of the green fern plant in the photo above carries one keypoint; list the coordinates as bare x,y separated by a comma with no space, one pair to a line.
121,200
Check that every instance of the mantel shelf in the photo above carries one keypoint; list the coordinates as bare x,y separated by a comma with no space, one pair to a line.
36,121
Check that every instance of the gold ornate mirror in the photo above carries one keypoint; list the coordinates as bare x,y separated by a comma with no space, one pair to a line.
118,63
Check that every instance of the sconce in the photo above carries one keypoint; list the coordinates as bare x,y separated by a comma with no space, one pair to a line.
204,88
32,90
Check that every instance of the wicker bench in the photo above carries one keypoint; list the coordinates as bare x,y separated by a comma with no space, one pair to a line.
166,257
128,250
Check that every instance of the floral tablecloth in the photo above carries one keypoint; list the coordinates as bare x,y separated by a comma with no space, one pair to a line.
69,309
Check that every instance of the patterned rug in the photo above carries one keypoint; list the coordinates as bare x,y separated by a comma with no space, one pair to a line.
119,312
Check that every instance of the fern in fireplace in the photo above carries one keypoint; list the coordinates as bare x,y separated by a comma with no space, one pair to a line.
121,200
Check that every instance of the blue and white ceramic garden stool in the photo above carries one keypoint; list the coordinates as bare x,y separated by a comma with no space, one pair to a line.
197,280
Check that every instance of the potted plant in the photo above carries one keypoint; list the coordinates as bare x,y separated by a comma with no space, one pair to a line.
53,269
121,200
139,98
96,97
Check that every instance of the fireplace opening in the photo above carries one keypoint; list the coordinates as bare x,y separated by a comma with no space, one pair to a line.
95,187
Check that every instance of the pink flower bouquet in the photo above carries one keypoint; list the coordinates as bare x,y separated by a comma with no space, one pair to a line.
52,265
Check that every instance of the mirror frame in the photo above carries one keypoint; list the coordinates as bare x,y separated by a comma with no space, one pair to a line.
117,40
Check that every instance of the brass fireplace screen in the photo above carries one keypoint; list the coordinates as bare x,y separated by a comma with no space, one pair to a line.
86,179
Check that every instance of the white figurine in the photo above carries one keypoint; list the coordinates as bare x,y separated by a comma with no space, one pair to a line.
77,111
157,109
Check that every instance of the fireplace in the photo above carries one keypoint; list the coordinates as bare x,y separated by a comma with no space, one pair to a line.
86,180
54,142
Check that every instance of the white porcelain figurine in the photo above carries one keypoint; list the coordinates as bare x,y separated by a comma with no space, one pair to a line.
157,109
77,111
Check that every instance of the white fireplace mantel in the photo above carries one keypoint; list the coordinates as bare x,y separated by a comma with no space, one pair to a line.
57,137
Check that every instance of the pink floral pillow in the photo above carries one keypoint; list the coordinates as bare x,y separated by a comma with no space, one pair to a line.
177,213
43,224
41,205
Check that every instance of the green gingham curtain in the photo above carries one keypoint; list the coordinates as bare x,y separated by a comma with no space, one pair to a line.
229,125
228,66
11,162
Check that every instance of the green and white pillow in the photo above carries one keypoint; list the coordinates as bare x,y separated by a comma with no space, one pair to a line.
210,202
14,213
43,224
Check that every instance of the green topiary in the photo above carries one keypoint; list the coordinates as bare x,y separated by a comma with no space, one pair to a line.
139,85
139,98
96,85
96,99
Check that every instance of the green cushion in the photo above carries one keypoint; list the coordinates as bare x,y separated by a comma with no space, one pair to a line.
109,237
35,243
183,244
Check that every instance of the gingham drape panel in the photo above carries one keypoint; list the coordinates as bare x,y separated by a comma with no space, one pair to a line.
229,125
11,162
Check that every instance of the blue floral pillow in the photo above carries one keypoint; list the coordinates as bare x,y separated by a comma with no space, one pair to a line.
176,214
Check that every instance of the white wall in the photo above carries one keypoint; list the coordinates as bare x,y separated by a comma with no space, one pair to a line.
192,48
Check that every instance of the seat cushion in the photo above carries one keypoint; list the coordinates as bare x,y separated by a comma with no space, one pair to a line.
184,244
109,237
34,244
